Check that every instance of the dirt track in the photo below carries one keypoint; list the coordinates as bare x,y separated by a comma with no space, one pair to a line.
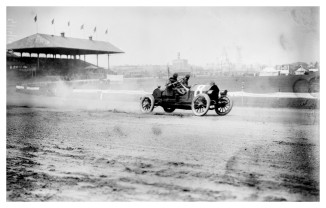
117,154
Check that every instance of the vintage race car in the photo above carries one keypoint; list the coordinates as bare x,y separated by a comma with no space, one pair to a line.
198,98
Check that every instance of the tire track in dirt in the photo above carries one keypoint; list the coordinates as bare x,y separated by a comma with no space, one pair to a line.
261,173
107,156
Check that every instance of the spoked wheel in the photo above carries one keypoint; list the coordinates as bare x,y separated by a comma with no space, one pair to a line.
200,104
168,109
223,106
147,104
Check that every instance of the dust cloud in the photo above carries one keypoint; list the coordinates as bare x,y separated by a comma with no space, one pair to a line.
61,95
124,96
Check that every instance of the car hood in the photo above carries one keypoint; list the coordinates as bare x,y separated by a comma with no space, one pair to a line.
199,87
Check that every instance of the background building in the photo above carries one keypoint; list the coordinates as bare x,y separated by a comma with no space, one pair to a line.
180,65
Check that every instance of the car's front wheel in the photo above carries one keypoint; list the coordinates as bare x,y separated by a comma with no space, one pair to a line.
200,104
147,104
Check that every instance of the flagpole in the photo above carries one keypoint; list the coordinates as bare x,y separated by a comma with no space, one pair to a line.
69,28
95,32
35,20
84,31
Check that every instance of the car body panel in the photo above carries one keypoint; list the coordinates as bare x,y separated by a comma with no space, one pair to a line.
169,98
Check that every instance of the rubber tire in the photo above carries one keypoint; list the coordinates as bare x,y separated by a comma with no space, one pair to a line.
226,112
208,101
168,110
314,85
151,98
301,86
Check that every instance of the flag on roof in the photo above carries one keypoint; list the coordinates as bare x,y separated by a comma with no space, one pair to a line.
68,23
106,31
95,29
35,18
52,21
82,27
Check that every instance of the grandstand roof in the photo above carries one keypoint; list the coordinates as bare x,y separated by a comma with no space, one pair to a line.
51,44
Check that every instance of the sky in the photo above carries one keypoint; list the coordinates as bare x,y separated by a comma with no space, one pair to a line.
155,35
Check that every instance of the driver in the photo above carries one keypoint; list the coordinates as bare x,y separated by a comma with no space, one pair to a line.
174,85
173,80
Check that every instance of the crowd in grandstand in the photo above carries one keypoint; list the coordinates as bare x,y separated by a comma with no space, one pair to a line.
64,69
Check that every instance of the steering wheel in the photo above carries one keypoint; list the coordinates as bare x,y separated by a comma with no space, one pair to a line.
181,91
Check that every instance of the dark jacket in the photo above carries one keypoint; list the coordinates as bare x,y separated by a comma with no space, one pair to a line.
215,93
185,82
171,81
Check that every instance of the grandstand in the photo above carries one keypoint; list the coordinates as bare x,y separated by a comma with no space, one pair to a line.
65,57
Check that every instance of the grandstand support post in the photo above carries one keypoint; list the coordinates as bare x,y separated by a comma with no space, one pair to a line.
38,63
84,58
108,63
97,60
21,54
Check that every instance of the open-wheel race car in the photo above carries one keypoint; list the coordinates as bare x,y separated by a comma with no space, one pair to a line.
198,98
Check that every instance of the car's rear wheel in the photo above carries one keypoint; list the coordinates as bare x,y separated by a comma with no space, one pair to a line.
223,106
147,104
314,85
168,109
200,104
301,86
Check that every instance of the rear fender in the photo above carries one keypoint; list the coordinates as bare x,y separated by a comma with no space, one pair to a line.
223,93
